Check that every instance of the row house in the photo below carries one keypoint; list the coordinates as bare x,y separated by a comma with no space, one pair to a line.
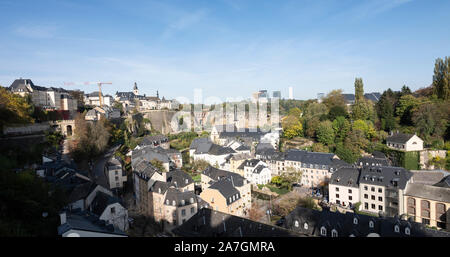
316,167
327,223
256,171
47,98
226,191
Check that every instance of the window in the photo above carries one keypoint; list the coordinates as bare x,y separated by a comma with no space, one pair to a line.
366,206
349,191
396,229
372,197
174,203
305,226
192,210
334,233
380,207
350,198
380,198
296,224
372,189
338,202
355,221
365,188
113,210
337,195
407,231
323,231
425,209
337,188
371,224
380,190
117,178
182,202
373,206
440,213
426,221
366,196
183,212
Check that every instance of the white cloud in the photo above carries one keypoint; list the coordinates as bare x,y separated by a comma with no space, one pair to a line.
36,31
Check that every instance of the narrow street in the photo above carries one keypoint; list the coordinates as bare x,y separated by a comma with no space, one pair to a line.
99,167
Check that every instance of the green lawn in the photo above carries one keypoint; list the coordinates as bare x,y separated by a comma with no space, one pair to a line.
280,191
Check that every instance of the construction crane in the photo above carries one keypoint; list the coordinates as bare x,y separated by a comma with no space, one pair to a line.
92,83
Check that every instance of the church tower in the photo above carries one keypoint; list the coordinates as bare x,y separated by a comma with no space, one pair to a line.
135,89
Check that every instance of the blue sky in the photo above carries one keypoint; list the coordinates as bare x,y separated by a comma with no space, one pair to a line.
227,48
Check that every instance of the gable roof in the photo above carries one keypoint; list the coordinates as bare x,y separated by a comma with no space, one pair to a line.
344,224
209,223
101,201
176,195
400,138
226,188
87,221
310,157
390,177
441,194
220,150
179,178
217,174
347,176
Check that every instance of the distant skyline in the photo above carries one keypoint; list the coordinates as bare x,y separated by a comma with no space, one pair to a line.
227,48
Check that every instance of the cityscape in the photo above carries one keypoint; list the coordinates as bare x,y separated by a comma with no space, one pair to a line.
136,157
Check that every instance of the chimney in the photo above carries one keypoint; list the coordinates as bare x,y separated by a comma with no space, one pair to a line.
63,217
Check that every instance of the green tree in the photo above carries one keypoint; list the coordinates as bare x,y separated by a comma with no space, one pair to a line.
341,127
334,99
325,133
405,107
441,78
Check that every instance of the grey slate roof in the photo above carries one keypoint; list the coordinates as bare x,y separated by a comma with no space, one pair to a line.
159,185
197,141
217,174
87,221
226,188
345,225
310,157
101,201
390,177
441,194
209,223
220,150
175,195
154,140
179,178
347,176
427,177
400,138
371,161
81,191
445,182
258,169
148,153
249,163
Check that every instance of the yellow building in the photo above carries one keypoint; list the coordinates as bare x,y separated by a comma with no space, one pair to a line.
428,204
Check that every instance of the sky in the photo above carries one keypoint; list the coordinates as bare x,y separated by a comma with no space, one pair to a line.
226,48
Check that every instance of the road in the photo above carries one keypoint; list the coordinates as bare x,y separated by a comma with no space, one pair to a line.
99,167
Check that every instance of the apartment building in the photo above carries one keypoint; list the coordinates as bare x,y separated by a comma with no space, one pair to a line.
382,189
344,187
226,191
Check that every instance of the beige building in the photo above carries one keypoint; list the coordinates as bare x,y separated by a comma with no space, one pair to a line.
429,204
382,189
226,191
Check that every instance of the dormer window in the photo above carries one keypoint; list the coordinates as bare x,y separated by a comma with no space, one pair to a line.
182,202
296,223
159,190
407,231
305,226
187,181
371,224
167,201
174,203
323,231
396,229
334,233
355,221
192,200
